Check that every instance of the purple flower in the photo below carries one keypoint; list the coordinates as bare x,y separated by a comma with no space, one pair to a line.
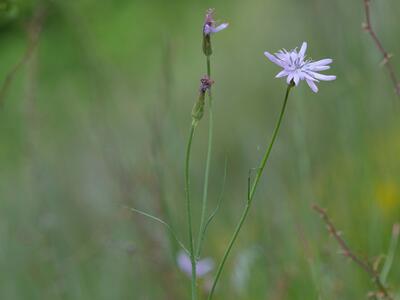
210,26
296,68
203,266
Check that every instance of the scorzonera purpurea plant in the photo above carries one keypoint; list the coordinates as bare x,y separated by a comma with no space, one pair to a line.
296,67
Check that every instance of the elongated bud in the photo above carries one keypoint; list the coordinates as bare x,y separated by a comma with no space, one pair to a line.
198,108
207,49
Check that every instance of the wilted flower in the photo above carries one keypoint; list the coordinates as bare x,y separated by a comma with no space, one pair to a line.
209,27
203,266
198,108
297,68
205,83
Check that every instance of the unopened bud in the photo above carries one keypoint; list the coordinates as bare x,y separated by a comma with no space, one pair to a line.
198,108
207,49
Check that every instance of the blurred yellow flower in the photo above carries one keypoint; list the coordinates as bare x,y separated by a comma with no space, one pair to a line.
388,196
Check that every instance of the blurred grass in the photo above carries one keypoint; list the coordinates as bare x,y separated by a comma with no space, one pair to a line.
98,119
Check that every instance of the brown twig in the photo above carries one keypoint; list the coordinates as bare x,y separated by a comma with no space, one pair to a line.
34,28
386,56
363,264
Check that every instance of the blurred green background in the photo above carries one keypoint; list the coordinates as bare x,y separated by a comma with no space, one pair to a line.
97,115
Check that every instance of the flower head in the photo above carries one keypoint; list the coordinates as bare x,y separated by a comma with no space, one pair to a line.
297,68
203,266
210,26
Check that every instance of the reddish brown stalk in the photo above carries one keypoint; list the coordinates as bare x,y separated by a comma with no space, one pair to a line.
363,264
386,56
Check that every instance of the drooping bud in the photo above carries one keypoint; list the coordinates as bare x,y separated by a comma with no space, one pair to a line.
198,108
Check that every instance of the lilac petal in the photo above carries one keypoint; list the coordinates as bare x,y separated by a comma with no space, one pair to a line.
312,85
282,56
293,56
303,49
320,68
204,266
322,76
308,76
273,59
220,27
282,74
184,263
207,29
321,62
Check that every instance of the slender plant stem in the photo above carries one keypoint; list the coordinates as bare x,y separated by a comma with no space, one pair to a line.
208,66
167,226
208,162
251,194
189,208
392,251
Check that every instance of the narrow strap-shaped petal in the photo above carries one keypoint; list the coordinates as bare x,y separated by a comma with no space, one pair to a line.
220,27
312,85
321,62
303,50
274,59
319,68
322,76
282,74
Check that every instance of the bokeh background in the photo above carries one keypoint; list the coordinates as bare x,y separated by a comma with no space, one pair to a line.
95,112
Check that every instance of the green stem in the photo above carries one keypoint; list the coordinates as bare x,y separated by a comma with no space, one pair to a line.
189,208
391,254
251,194
208,162
208,66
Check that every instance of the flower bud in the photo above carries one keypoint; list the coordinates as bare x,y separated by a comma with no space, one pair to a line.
198,108
207,49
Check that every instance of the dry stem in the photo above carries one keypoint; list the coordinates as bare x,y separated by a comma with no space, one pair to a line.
363,264
386,56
